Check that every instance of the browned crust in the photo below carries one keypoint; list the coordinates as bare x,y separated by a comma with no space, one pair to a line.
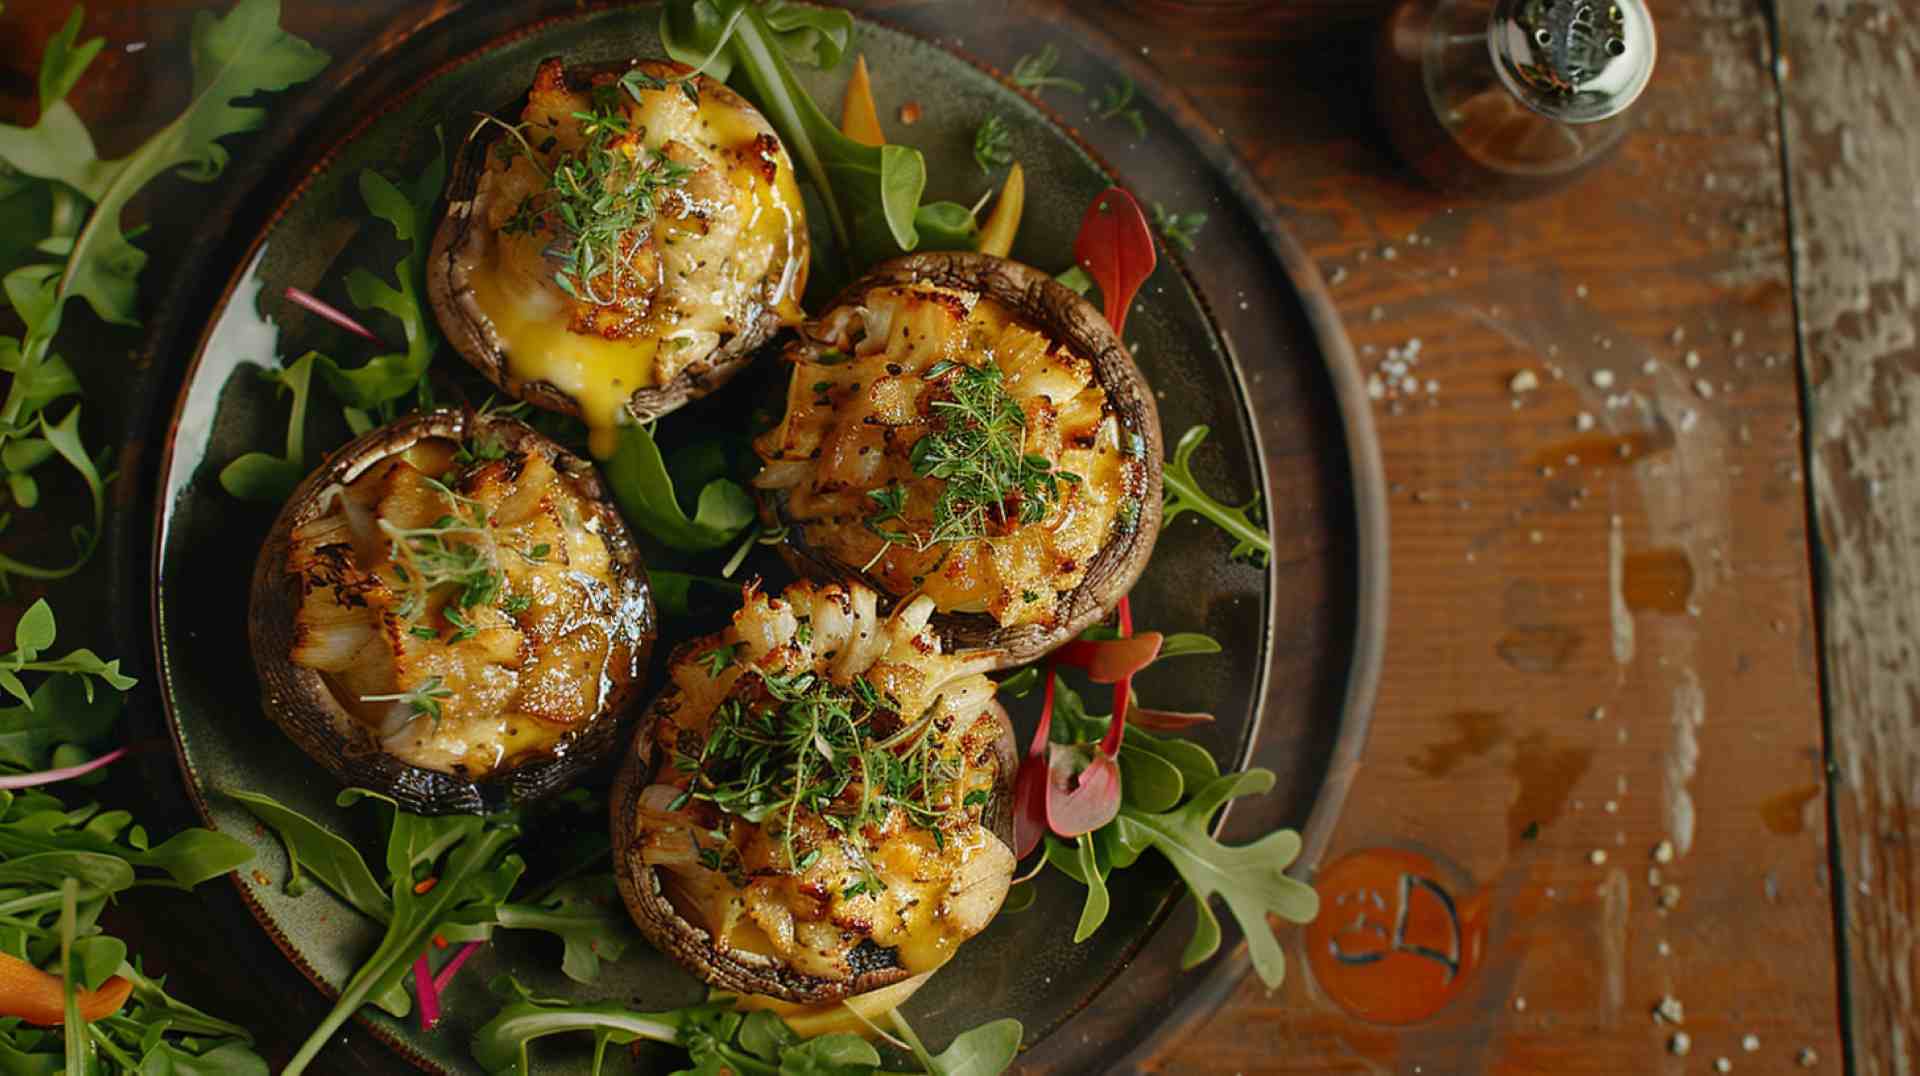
471,332
299,701
1064,316
689,944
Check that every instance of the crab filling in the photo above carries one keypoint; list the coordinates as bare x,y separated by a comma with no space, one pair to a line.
822,779
945,446
629,230
461,601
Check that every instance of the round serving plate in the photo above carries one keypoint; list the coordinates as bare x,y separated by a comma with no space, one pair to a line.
1242,339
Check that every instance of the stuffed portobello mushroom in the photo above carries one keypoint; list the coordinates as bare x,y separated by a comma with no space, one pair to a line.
962,427
623,247
819,804
450,611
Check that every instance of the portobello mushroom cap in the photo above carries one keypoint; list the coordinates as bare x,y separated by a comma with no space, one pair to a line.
1064,318
467,246
600,626
642,825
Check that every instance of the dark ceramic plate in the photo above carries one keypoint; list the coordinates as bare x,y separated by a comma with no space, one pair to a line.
1301,637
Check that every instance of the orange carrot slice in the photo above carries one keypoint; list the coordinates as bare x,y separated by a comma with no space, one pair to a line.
37,997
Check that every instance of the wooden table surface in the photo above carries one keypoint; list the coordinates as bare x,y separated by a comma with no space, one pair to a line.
1586,660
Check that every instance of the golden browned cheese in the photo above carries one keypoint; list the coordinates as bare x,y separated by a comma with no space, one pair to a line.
866,384
463,608
808,886
724,244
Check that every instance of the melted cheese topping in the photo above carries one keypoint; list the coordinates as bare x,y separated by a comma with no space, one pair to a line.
725,244
861,397
523,644
903,885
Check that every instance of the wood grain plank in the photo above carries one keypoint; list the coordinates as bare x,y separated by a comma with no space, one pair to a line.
1509,626
1711,723
1854,164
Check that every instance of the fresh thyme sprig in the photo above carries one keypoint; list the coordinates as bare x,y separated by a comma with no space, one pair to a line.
598,201
1180,229
1116,102
990,483
425,699
991,144
1034,71
808,744
427,558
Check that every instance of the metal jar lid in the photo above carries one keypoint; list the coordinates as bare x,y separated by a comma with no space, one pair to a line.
1577,61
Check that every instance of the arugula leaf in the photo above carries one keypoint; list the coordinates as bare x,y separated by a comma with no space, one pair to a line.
1251,878
720,1040
986,1050
990,144
63,63
673,591
234,56
388,377
1116,101
1183,494
644,491
839,1054
32,822
1094,912
586,914
983,1051
329,857
501,1043
1178,228
867,190
1034,71
469,857
259,476
1076,280
58,712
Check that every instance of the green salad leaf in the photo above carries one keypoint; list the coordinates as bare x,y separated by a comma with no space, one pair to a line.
982,1051
470,859
1183,494
719,1040
866,190
32,822
234,56
332,859
673,591
637,474
60,201
586,914
262,476
1251,878
409,210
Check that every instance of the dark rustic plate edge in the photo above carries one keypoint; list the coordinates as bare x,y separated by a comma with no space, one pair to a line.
1342,367
1368,472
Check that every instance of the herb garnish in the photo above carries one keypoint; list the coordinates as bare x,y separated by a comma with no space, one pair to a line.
808,744
990,481
1116,102
1183,494
717,1038
990,144
1178,228
425,699
599,201
717,659
1034,71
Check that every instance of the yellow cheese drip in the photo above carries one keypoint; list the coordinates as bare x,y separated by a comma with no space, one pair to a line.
530,315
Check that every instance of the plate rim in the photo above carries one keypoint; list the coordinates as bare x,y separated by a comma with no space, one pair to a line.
1364,464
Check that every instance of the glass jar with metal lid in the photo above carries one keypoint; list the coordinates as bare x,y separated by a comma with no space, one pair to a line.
1510,96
